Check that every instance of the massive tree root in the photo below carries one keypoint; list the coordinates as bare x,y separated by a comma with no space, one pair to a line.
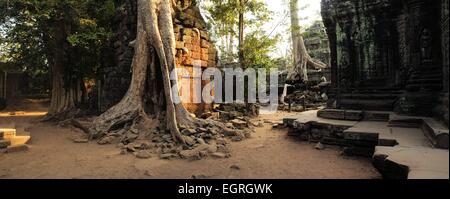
302,60
154,45
65,99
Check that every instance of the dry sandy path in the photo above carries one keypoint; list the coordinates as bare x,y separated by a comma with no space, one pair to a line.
268,154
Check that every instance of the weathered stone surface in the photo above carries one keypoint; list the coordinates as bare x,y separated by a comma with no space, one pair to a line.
380,48
219,155
143,154
363,136
332,114
189,141
4,143
194,154
353,115
239,123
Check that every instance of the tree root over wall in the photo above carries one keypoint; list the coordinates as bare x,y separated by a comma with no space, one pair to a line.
154,46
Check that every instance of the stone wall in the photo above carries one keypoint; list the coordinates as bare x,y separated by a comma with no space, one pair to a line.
192,44
389,51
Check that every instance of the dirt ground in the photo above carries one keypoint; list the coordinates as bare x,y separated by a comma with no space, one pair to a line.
269,154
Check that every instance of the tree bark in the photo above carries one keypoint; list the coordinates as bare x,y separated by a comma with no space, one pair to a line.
241,33
155,43
302,60
67,93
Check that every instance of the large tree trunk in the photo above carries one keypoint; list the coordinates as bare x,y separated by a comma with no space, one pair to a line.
67,93
241,33
302,60
155,43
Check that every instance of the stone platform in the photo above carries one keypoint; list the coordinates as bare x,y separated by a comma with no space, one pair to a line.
13,140
398,152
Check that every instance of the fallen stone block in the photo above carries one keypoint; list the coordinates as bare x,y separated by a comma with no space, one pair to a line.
437,133
218,155
144,154
389,169
240,124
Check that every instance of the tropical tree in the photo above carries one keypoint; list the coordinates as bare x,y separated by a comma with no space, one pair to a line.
63,37
302,60
153,61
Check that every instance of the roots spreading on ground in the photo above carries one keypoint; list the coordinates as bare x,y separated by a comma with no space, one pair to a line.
171,131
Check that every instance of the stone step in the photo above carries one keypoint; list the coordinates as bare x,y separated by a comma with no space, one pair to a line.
361,135
437,133
340,114
354,115
411,162
369,96
380,116
10,138
368,104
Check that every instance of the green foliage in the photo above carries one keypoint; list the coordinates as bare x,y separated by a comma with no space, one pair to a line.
223,15
31,28
257,47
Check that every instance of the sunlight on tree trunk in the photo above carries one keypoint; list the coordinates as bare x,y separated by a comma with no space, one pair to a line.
155,43
302,60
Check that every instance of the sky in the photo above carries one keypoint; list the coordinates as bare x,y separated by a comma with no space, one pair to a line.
309,11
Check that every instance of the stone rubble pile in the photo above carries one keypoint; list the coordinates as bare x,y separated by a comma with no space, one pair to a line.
311,97
204,141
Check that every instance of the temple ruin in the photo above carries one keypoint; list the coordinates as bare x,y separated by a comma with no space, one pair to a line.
389,79
389,55
192,43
